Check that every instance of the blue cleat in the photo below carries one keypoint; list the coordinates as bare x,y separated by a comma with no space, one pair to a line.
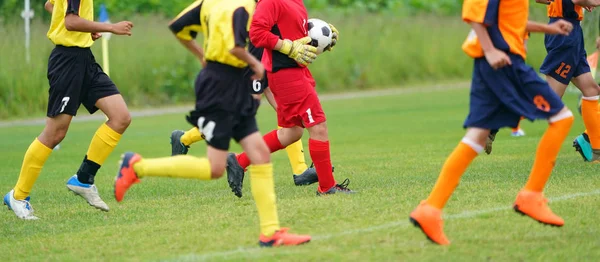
89,192
22,208
583,146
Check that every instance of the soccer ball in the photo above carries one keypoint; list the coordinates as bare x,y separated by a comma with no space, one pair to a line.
321,34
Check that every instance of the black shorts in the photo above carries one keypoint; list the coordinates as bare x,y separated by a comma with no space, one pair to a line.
225,108
256,86
75,78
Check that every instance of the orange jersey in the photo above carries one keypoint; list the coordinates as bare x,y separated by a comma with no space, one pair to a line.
506,21
565,9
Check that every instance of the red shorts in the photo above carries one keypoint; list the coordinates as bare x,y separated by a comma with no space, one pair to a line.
296,97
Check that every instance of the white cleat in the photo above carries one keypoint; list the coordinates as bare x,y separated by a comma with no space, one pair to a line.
22,208
517,133
88,192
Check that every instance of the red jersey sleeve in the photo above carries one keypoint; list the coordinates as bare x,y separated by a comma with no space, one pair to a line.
265,17
481,11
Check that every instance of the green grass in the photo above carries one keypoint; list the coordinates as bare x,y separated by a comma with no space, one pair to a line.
391,148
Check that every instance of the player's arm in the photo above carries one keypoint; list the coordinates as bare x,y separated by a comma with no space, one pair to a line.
560,27
545,2
480,15
49,6
587,3
240,35
265,15
270,98
75,23
186,27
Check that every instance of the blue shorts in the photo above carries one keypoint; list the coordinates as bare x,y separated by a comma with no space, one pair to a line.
566,55
500,97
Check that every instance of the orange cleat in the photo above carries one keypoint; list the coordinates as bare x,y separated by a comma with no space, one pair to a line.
283,238
535,205
126,176
429,220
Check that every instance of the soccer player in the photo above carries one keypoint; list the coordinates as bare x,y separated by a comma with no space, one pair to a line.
503,89
182,140
75,78
224,109
275,23
567,62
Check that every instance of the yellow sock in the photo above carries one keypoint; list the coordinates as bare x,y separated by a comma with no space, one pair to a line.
34,160
546,154
453,169
181,166
295,153
263,191
103,143
191,136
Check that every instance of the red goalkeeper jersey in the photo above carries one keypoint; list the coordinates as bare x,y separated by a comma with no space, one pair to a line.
274,20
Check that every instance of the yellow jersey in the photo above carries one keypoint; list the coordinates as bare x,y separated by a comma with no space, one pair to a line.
58,33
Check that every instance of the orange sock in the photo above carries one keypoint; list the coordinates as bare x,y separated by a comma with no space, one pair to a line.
591,119
546,153
453,169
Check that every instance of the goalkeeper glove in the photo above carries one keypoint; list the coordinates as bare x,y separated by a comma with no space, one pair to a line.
300,50
334,37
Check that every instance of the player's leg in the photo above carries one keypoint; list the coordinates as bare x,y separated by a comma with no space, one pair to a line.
276,140
588,143
182,140
35,157
530,201
99,93
428,215
517,131
263,187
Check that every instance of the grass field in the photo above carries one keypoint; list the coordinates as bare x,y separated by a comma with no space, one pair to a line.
391,147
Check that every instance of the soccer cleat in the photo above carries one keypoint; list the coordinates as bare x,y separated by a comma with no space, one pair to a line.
429,220
178,148
488,143
341,188
282,238
517,133
308,177
89,192
535,205
126,176
582,146
235,175
22,208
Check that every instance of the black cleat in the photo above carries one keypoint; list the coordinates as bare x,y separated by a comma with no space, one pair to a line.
308,177
235,175
339,188
488,143
178,148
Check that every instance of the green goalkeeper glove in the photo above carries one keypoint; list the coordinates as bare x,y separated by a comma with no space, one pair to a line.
300,50
334,37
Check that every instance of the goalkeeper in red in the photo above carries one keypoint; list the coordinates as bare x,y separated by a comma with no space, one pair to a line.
280,27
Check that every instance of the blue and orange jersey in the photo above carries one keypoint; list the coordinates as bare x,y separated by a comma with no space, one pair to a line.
565,9
506,22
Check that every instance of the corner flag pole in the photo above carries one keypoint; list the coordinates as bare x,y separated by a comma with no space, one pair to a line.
27,15
106,36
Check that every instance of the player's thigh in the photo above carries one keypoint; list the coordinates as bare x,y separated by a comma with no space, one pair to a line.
55,130
256,148
585,82
558,87
66,75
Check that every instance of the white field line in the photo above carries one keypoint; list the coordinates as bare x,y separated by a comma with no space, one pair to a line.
254,251
185,109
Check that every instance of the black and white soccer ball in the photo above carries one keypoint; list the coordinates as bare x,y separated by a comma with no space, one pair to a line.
321,34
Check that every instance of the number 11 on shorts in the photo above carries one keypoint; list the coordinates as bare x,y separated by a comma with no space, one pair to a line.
310,118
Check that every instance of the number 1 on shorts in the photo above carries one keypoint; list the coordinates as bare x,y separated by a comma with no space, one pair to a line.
310,118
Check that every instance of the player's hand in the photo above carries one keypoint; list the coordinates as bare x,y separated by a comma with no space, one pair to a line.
334,37
300,50
259,71
589,8
560,27
546,2
122,28
96,36
497,58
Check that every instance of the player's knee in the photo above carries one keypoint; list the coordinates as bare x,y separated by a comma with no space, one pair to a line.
120,122
261,156
319,131
563,115
53,136
217,171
